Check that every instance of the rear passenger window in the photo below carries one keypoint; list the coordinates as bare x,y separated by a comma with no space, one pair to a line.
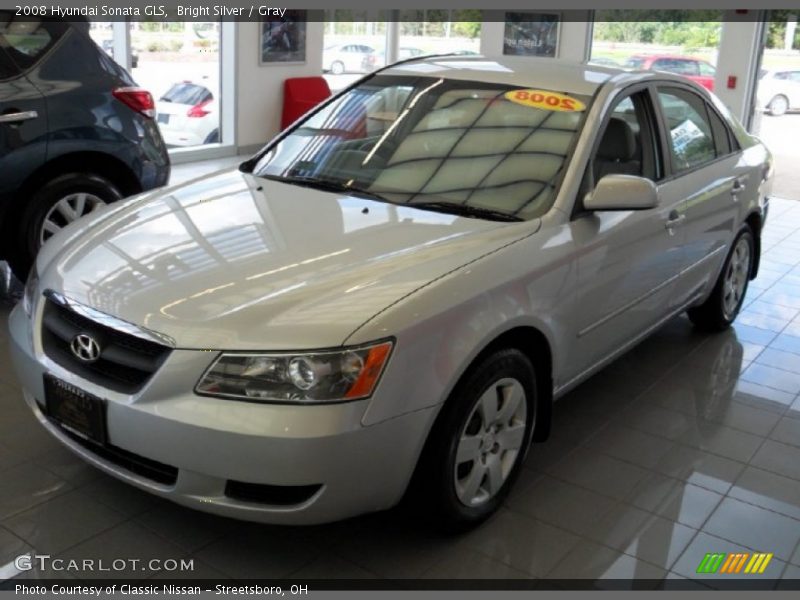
690,133
187,93
26,41
707,70
721,135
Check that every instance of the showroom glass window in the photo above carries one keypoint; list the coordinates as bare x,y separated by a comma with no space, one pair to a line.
681,42
690,132
354,43
422,139
179,63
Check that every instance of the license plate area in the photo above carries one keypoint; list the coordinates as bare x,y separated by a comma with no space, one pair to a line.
163,118
75,410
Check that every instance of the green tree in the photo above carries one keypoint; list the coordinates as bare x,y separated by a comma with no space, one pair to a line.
776,28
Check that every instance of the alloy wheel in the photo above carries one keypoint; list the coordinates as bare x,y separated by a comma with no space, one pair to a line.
736,274
68,209
491,442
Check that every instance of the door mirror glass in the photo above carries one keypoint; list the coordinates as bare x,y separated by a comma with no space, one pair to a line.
622,192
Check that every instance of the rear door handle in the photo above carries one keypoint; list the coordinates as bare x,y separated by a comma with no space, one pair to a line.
738,187
18,117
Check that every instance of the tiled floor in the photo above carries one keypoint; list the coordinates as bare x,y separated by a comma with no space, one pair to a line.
689,444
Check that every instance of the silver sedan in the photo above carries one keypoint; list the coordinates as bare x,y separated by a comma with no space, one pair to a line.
386,300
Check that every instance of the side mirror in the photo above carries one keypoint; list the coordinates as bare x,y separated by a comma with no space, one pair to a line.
622,192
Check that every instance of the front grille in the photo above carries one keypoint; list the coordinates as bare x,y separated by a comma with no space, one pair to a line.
275,495
150,469
126,362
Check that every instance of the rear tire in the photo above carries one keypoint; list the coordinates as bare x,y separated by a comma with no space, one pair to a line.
477,446
76,194
778,105
720,310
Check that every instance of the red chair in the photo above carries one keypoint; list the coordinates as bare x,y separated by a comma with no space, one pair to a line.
301,94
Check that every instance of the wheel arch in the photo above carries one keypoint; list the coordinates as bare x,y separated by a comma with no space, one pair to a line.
94,163
535,345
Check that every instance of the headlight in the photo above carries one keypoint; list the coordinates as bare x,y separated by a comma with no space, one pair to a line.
300,377
29,295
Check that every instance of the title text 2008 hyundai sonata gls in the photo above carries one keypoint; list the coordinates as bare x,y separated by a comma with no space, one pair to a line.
392,293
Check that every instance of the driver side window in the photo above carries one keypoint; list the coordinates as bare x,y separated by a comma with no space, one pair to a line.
626,145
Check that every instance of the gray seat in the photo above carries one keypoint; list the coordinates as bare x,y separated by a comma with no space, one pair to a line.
617,153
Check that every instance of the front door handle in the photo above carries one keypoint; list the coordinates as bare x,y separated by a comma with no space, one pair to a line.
674,219
11,118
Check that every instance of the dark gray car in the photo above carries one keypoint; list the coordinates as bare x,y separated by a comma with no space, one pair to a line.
75,133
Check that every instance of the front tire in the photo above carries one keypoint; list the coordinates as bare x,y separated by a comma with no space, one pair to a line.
720,310
55,205
476,449
337,67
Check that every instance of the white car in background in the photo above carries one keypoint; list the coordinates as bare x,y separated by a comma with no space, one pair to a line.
345,58
378,59
779,90
188,114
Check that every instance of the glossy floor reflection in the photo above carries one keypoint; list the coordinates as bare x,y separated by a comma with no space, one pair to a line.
689,444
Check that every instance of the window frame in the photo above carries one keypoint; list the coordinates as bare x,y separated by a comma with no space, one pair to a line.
657,141
671,171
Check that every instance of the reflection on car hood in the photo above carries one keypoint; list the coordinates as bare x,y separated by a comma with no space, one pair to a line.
233,261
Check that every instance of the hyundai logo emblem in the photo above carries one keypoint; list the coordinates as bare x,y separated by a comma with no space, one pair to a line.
85,348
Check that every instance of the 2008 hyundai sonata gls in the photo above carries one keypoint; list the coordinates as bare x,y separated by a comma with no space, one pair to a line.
391,294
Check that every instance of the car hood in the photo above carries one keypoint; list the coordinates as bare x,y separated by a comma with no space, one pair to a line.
233,261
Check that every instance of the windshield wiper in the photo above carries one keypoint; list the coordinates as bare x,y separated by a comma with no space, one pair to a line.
327,185
466,210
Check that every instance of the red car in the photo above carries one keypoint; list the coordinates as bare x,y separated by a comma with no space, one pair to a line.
695,69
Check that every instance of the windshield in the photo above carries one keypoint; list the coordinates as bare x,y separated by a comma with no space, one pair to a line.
437,143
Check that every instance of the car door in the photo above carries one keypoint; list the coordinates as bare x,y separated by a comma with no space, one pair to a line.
23,119
704,177
628,260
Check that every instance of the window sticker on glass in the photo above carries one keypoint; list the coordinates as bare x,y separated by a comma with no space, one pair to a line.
684,134
545,100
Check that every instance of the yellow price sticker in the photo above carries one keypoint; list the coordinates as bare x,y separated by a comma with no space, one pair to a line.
545,100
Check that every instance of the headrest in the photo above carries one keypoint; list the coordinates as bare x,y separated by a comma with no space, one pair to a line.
618,143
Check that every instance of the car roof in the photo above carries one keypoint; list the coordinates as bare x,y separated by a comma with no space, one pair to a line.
530,72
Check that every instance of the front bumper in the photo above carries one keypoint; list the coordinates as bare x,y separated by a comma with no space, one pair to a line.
211,441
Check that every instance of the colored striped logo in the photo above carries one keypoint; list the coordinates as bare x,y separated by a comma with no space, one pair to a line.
735,563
